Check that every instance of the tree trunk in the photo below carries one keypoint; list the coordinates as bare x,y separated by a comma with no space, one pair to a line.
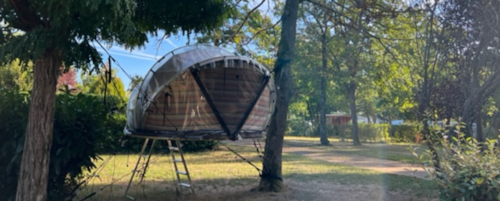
368,120
322,100
271,178
354,116
424,117
34,172
479,122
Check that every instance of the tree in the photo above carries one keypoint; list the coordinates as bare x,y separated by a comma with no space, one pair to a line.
251,31
474,29
136,80
67,79
271,178
13,76
104,83
321,28
52,33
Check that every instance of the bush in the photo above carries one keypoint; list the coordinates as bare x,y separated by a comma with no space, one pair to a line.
405,133
81,132
202,145
299,127
342,131
366,132
373,132
468,170
13,110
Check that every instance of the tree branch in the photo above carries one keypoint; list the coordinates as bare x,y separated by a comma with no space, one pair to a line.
259,31
244,21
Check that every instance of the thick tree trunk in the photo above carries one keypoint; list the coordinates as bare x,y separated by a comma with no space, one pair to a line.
34,172
322,100
271,178
354,116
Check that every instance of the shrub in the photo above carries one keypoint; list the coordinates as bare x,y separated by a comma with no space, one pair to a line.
80,133
366,132
342,131
373,132
298,127
404,133
202,145
467,171
13,110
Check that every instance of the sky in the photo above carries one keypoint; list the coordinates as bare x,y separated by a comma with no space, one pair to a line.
140,60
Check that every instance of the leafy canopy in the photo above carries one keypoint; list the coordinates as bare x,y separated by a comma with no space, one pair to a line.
32,28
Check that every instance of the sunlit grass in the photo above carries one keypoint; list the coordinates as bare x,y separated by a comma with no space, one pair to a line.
390,151
221,170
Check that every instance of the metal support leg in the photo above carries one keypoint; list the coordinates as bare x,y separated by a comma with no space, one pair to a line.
135,168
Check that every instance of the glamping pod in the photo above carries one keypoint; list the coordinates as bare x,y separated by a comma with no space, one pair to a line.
202,92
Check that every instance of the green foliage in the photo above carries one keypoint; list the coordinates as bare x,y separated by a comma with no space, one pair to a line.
299,127
250,32
13,108
202,145
136,80
468,170
82,130
187,16
373,132
405,133
68,29
79,129
98,84
14,76
366,132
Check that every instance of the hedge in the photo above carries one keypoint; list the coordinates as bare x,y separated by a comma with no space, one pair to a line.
366,132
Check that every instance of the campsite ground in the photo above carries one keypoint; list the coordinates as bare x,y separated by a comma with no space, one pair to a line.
311,172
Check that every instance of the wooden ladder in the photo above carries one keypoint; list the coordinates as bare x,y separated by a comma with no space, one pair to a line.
180,167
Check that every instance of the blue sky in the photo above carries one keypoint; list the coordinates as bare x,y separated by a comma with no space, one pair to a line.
140,60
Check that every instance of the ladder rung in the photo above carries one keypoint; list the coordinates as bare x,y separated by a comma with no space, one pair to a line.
185,185
177,160
181,172
174,148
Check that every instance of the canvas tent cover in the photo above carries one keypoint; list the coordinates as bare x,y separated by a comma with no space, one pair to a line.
202,92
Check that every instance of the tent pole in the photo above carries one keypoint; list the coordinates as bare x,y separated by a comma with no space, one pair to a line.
194,72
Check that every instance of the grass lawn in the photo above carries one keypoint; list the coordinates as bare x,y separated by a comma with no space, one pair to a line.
219,175
389,151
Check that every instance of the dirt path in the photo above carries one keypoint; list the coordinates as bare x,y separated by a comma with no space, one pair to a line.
381,165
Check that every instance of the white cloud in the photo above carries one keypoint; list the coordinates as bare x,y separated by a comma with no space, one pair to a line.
117,50
142,56
124,51
170,42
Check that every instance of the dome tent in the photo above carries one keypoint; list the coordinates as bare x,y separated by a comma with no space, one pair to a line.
202,92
